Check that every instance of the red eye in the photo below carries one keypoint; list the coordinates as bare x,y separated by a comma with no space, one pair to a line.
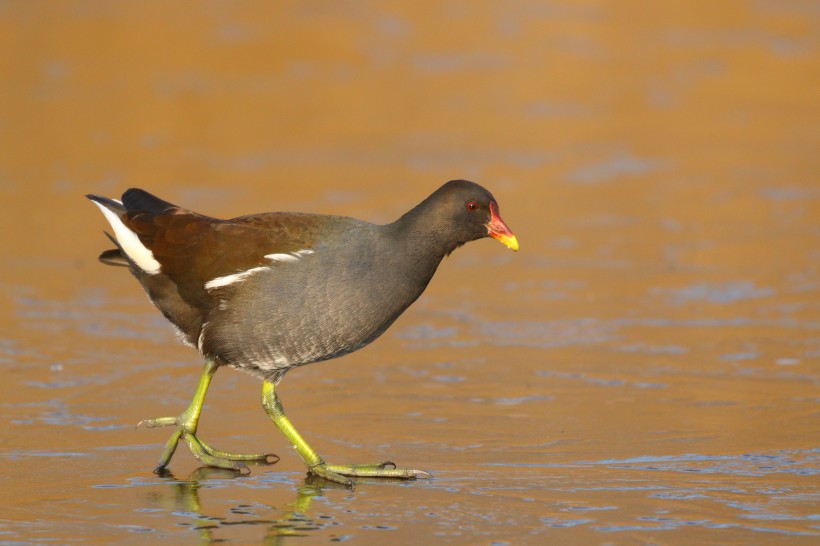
472,205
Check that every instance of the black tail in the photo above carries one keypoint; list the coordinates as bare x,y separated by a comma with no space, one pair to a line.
110,204
136,199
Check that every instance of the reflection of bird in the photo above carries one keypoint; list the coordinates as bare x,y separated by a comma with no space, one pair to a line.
181,499
268,292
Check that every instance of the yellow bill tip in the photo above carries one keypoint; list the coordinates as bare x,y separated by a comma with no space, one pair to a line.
510,241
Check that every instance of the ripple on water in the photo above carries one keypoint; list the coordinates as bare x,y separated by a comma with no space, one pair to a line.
718,293
514,401
800,462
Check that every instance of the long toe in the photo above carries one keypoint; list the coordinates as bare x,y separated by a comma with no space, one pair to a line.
225,459
380,470
202,451
255,458
324,471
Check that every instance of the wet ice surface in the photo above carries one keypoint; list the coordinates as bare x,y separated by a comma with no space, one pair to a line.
579,501
643,371
575,451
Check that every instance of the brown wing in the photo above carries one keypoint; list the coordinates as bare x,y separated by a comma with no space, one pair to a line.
193,249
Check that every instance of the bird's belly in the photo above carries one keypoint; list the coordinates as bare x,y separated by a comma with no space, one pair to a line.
308,323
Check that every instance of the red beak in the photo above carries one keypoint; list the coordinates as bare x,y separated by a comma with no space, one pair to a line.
497,229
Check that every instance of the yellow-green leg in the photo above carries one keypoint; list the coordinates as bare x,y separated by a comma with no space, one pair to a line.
186,424
316,465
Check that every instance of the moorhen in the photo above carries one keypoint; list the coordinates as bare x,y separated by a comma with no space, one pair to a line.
268,292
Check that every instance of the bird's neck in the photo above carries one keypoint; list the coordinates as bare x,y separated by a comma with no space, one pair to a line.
423,234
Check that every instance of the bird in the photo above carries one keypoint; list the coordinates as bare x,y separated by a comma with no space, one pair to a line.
266,293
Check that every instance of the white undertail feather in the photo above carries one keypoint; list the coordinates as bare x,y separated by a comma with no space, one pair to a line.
130,243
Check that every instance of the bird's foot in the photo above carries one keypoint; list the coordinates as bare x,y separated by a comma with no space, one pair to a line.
341,473
203,452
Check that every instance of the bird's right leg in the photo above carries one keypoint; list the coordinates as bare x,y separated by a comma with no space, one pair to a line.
315,464
186,424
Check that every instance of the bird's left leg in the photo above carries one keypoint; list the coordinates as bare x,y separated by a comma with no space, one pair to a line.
186,424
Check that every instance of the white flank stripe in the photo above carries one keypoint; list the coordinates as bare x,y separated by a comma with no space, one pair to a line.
242,275
130,243
230,279
282,258
288,257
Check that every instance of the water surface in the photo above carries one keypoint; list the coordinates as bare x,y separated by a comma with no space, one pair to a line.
643,371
